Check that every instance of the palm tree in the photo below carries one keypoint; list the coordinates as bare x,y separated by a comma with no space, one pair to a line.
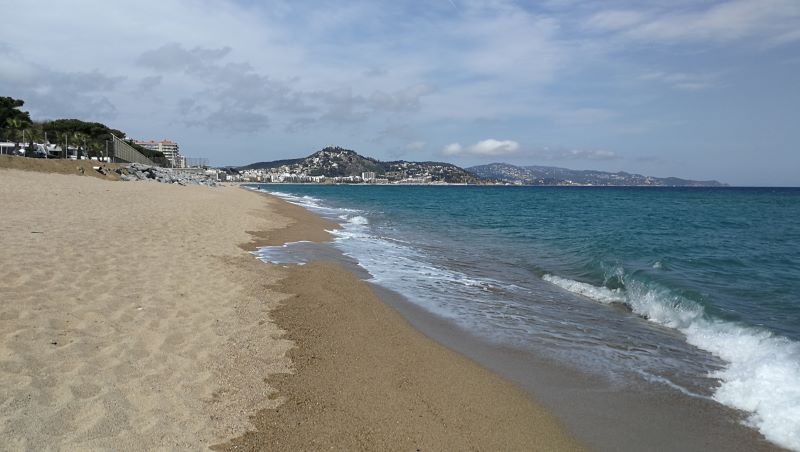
95,148
15,124
79,138
17,127
34,134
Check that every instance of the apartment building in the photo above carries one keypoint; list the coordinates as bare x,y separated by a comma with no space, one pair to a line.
169,148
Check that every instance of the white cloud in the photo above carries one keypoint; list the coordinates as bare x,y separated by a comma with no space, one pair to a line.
415,146
490,147
353,70
615,20
494,147
149,82
770,22
406,99
173,56
498,148
511,44
682,80
574,154
581,116
452,149
307,73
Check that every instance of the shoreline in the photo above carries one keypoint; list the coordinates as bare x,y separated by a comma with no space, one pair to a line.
136,319
365,378
137,316
601,414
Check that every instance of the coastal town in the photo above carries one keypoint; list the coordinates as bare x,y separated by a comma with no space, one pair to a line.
76,139
459,225
336,165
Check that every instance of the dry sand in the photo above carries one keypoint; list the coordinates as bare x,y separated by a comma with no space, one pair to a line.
60,166
131,318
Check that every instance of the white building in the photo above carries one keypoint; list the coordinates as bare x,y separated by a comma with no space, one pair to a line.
169,148
368,177
8,147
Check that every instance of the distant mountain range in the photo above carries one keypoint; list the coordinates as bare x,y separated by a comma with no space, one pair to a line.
551,175
335,162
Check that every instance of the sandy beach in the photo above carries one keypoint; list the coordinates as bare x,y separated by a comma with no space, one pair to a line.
365,379
133,318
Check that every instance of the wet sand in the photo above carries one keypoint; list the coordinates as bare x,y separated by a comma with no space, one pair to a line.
132,318
603,414
365,379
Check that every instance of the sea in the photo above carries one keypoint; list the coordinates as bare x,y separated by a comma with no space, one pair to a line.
689,290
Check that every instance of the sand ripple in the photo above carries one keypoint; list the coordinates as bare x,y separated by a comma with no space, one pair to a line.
129,317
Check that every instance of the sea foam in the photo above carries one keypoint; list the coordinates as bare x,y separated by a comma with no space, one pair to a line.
762,375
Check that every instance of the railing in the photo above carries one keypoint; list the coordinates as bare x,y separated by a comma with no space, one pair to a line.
125,153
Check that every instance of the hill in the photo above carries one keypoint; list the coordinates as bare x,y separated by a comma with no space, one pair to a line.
551,175
335,162
264,165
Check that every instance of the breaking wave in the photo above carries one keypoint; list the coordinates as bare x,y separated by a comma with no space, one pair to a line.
762,375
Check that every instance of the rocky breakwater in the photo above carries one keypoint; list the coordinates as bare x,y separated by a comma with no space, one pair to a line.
138,171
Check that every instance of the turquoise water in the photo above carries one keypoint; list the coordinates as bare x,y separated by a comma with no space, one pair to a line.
694,289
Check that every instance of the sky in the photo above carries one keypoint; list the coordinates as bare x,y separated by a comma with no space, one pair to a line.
689,88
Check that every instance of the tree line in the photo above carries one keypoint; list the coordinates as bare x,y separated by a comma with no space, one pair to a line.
92,139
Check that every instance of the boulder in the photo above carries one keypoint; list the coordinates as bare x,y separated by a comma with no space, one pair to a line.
138,171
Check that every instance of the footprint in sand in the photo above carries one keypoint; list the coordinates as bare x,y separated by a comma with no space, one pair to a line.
85,390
